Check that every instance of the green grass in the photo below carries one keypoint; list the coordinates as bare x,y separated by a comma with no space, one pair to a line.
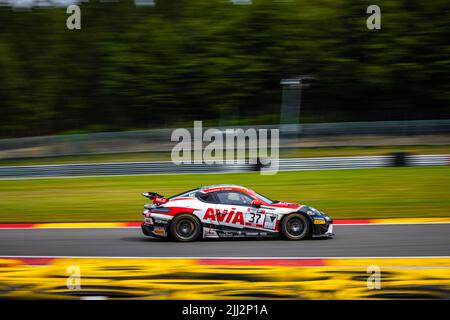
359,193
292,153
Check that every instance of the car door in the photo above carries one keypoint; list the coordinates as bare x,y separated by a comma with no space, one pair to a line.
232,209
207,210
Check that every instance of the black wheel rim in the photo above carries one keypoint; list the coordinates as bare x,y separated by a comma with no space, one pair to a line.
295,227
185,228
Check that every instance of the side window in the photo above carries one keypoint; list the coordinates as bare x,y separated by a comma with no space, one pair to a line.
234,198
206,197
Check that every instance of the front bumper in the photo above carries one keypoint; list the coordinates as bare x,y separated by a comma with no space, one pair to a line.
323,230
322,224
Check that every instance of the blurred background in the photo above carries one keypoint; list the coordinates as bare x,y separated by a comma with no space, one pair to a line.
99,105
137,66
114,90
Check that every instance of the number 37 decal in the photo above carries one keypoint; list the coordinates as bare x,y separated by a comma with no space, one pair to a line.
254,217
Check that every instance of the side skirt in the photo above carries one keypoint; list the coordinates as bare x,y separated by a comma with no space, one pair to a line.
218,231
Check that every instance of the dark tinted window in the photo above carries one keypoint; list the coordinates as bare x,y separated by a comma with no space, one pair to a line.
206,197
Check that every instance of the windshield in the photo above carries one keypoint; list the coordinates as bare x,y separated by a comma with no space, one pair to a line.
265,199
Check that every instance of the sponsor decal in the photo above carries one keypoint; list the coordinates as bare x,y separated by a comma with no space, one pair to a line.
232,216
160,221
255,218
159,231
271,221
319,221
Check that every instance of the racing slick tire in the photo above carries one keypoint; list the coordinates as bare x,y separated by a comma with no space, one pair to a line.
295,227
185,227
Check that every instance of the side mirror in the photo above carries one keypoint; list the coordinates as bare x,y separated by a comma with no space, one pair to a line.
257,203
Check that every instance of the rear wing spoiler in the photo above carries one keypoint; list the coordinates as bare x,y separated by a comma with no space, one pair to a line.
156,197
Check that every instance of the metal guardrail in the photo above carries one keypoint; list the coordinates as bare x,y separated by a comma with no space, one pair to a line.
428,160
167,167
160,139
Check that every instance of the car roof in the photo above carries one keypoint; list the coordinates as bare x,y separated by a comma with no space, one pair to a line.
223,187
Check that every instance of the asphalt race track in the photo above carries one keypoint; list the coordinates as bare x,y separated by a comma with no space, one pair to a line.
400,240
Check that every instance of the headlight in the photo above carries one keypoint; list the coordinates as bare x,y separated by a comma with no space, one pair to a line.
314,212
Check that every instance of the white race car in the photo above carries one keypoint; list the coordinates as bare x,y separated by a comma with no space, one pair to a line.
230,211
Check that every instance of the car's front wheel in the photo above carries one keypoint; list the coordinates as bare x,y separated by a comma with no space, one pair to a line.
185,227
295,227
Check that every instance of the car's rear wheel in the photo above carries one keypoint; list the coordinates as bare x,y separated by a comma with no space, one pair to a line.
185,227
295,227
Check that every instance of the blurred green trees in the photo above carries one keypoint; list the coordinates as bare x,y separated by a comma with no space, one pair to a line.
144,67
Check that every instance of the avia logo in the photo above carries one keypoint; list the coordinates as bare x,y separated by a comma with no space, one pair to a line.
224,216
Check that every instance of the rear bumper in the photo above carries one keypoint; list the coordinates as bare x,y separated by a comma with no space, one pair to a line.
156,231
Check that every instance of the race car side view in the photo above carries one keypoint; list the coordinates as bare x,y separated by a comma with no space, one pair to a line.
230,211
